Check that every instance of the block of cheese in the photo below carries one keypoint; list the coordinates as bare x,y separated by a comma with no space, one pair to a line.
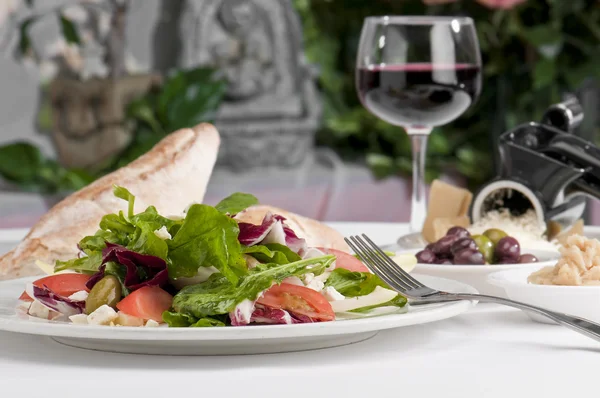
445,201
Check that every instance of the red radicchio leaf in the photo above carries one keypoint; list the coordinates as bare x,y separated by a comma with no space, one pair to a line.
271,316
155,267
291,239
251,234
96,277
55,302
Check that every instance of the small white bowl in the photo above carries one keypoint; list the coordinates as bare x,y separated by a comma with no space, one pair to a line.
583,301
476,275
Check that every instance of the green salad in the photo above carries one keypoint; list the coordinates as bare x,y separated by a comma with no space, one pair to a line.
206,269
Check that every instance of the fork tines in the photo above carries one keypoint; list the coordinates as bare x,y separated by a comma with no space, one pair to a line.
380,263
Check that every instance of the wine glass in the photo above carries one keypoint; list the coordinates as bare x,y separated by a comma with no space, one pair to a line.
418,73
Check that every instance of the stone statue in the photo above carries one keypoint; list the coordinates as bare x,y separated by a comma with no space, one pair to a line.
272,107
88,117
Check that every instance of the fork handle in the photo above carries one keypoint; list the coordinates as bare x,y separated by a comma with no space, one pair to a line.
580,325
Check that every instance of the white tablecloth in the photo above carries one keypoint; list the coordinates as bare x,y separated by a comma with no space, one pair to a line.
488,352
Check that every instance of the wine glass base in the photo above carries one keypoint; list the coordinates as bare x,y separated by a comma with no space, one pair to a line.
410,241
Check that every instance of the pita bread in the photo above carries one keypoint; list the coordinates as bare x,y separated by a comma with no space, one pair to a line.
173,174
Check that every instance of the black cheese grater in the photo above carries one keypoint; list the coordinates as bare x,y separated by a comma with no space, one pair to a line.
544,167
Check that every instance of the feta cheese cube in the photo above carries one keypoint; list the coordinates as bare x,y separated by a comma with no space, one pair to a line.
293,280
79,296
23,306
308,278
39,310
104,315
128,320
313,283
323,277
162,233
151,323
79,319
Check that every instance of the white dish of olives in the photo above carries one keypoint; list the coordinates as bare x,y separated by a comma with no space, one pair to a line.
470,259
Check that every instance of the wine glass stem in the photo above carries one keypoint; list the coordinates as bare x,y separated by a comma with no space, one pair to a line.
418,213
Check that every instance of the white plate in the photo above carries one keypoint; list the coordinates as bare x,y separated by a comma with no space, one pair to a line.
476,275
223,341
583,301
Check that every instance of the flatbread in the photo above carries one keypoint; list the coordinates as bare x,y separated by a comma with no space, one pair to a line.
170,176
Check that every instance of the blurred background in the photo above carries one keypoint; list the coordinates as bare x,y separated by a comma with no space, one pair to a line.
88,86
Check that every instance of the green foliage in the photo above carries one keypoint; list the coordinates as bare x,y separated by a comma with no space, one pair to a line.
531,55
25,166
24,40
68,30
185,99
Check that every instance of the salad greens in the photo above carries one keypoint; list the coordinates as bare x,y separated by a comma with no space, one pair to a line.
353,284
204,271
272,253
398,301
177,319
235,203
217,296
205,238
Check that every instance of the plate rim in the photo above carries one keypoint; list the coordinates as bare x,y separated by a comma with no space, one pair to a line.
313,330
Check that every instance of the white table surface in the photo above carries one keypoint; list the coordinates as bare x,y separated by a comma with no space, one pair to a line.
488,352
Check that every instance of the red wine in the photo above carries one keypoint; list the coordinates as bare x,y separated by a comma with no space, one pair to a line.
419,95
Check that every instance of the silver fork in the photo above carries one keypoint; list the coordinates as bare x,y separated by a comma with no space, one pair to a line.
401,281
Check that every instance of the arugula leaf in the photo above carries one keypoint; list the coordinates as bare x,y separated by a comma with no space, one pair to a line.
398,301
353,284
236,202
207,323
88,264
206,238
97,242
123,193
116,223
272,253
145,241
151,215
217,296
176,319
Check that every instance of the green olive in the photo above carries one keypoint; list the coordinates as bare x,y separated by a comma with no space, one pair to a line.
495,234
106,291
485,246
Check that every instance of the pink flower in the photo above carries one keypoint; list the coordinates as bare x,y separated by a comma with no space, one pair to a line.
501,4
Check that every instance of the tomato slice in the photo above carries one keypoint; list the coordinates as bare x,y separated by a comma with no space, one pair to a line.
346,260
62,284
298,299
25,297
148,302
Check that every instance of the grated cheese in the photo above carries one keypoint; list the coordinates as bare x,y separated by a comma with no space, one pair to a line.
526,228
